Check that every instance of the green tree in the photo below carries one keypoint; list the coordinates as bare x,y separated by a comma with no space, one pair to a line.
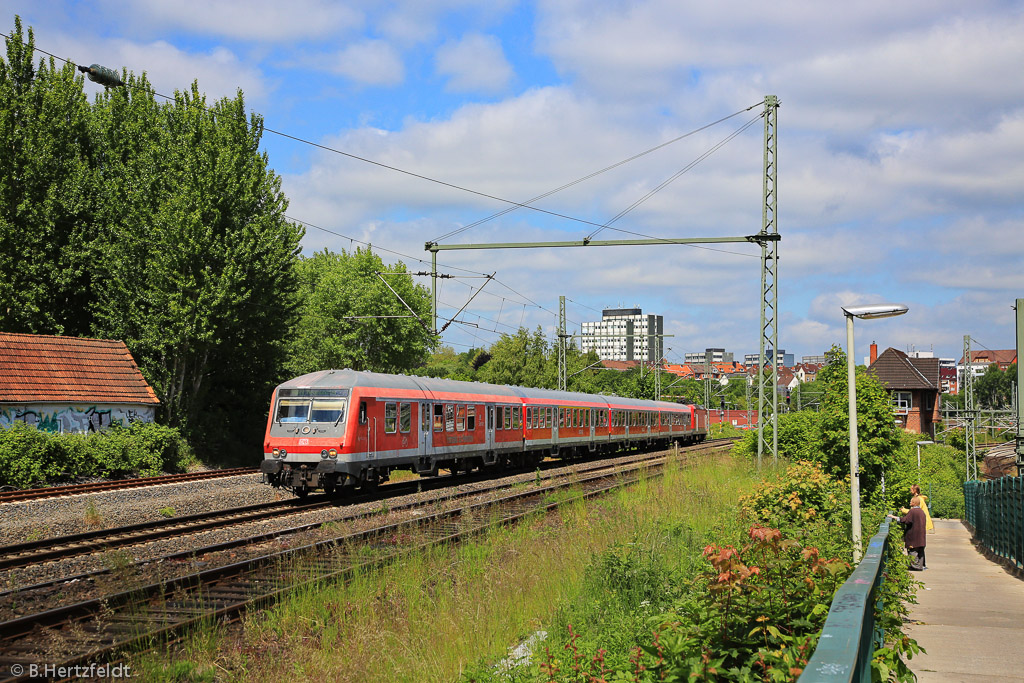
994,389
877,436
47,178
520,359
197,259
342,321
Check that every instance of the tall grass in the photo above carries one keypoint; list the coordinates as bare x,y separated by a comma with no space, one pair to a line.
454,611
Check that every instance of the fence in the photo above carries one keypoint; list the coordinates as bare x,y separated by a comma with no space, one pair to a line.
995,516
850,635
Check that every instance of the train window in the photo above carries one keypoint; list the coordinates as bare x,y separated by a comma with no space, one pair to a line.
550,417
529,416
438,417
405,418
327,410
561,417
538,420
460,418
390,418
517,418
449,417
292,409
362,412
424,418
577,418
508,417
471,418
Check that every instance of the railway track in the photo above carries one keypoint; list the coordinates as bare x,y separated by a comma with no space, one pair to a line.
75,489
95,628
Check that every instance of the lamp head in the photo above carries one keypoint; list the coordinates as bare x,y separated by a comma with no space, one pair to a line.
875,311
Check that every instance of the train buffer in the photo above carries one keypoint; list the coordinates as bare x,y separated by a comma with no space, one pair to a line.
970,613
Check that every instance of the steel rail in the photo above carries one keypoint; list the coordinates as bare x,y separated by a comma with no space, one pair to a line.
167,607
94,628
75,489
392,490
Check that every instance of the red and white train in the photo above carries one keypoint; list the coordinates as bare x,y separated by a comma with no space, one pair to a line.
345,428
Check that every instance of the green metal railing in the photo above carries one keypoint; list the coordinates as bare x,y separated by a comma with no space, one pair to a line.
850,635
995,516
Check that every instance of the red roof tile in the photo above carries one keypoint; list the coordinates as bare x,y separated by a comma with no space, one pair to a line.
43,369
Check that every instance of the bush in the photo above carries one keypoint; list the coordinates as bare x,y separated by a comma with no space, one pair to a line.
30,457
798,438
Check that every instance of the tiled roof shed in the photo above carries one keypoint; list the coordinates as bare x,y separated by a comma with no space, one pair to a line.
44,369
897,370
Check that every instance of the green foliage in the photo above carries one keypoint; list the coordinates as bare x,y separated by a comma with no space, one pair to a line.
340,294
30,457
799,437
994,389
877,435
520,359
157,224
941,477
753,610
801,495
48,170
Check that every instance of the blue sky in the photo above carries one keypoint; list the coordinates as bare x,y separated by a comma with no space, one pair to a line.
900,148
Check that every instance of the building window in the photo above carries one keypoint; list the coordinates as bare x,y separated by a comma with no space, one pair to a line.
902,401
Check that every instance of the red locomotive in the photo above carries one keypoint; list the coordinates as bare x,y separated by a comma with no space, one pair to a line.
345,428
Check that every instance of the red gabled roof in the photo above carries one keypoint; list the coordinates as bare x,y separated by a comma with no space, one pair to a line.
44,369
897,370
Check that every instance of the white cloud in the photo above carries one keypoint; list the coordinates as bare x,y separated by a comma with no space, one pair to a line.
475,63
371,62
263,20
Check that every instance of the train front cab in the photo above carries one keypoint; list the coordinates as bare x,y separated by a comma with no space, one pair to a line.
305,438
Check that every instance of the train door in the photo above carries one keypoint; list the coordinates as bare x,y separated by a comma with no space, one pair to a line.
489,429
593,422
425,441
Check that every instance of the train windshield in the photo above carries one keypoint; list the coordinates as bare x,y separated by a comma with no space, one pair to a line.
293,410
327,410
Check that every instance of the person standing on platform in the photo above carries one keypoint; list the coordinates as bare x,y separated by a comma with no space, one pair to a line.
914,533
915,490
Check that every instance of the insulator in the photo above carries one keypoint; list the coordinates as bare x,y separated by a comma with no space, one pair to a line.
102,75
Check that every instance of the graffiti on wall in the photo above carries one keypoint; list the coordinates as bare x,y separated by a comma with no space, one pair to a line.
72,419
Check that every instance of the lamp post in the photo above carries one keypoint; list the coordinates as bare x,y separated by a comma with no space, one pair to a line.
919,444
867,313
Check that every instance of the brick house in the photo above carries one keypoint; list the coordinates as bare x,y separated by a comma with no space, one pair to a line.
914,387
71,384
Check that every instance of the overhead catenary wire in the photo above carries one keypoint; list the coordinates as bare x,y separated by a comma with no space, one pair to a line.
513,204
481,221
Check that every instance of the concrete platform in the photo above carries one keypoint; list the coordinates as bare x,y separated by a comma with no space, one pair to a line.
970,613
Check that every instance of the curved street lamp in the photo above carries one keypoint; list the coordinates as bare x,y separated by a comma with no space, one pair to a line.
867,313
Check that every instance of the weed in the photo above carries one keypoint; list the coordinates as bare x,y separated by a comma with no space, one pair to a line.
167,512
93,518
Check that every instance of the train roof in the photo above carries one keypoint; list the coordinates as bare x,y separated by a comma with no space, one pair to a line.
354,378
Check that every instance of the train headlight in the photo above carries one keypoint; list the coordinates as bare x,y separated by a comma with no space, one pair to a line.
283,452
323,454
333,453
277,453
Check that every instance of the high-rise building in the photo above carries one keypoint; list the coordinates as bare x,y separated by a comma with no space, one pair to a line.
709,356
625,334
782,358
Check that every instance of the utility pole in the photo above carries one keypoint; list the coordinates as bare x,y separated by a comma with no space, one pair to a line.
768,403
563,380
1020,382
970,449
767,238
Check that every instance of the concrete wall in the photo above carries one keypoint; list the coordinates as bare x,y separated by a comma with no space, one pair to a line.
74,418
